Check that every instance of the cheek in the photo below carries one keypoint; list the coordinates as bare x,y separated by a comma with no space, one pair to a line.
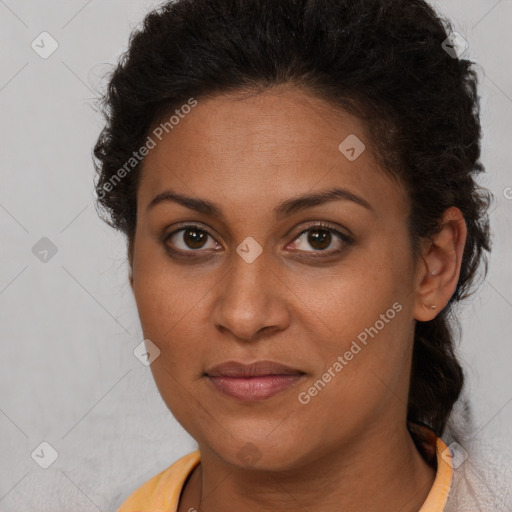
362,375
341,305
361,315
162,293
171,304
167,319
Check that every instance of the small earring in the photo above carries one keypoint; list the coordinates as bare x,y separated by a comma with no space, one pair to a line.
432,306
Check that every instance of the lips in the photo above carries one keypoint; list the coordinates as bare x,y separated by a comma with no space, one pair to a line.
253,382
257,369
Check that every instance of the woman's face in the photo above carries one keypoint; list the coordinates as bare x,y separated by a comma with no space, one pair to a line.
339,310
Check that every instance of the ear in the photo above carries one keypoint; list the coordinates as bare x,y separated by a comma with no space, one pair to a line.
439,269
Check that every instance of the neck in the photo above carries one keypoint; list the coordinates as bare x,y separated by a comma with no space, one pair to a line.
378,471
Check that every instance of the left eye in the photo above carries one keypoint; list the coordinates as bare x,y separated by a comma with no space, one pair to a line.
320,238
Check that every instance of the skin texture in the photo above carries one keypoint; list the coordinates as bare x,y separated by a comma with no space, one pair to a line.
348,448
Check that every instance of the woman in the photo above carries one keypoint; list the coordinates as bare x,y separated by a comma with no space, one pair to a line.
296,182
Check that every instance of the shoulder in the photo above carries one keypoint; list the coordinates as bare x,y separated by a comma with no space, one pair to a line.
161,493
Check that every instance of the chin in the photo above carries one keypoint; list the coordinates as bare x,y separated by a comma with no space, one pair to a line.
264,454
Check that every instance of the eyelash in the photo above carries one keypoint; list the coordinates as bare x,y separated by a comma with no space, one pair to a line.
319,226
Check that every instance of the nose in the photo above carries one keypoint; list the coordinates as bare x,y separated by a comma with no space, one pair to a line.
251,299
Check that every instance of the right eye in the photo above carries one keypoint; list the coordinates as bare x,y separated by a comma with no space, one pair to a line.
190,238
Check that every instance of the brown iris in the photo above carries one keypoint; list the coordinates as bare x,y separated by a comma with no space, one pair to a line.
197,238
319,236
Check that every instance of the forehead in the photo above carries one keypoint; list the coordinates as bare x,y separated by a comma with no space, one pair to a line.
264,148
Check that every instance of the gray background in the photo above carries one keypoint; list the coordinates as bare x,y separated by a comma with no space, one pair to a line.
69,325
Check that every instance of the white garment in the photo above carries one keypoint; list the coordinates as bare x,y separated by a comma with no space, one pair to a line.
482,473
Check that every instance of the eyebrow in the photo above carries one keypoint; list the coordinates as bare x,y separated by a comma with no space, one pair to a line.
288,207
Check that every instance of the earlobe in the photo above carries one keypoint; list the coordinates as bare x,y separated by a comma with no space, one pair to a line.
440,266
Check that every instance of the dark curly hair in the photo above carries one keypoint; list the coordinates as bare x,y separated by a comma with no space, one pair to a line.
381,60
